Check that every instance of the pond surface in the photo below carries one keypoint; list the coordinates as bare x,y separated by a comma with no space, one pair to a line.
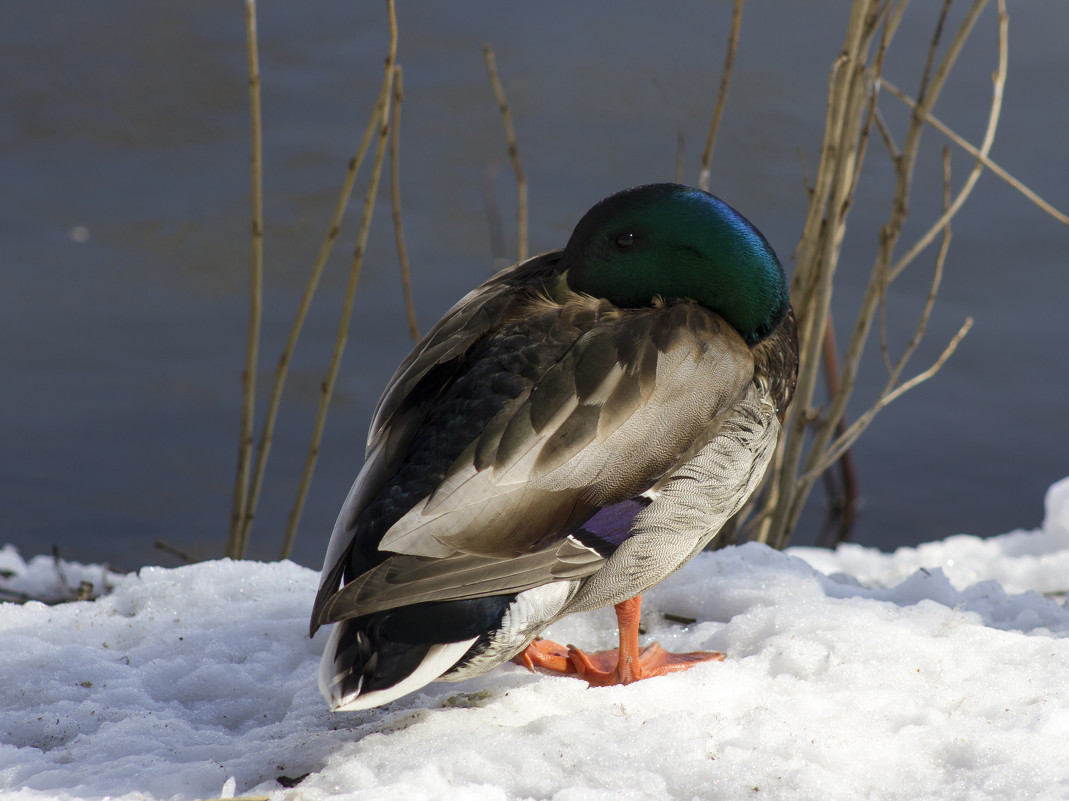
124,219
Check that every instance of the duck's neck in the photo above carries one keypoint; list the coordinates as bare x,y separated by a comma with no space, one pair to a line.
776,362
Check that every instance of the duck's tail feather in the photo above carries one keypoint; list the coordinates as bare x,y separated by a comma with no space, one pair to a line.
360,671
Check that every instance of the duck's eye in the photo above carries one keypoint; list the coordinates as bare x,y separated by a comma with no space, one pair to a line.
625,241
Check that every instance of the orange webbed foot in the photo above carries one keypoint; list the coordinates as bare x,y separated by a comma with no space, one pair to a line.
546,656
622,665
605,668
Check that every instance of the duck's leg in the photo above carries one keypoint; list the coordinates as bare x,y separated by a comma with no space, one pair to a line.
621,665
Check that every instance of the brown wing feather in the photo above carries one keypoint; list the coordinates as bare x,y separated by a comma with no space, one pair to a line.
475,316
403,580
631,391
414,387
597,440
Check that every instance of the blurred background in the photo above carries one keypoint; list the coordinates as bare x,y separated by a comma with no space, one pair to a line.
124,237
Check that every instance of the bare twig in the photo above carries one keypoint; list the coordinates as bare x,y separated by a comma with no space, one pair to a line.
804,455
999,81
929,92
886,135
173,551
843,503
234,547
937,277
849,91
892,390
327,387
57,565
395,199
848,438
282,371
514,153
968,148
721,97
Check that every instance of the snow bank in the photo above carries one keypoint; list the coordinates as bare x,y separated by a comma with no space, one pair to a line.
931,673
1019,561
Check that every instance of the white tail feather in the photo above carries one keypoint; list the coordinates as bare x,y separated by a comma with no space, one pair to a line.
439,659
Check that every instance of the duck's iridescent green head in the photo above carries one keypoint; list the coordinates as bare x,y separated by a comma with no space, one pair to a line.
675,241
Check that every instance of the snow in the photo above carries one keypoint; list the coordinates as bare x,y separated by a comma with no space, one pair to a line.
936,672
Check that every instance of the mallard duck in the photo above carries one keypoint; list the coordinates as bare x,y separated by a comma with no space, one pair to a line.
568,435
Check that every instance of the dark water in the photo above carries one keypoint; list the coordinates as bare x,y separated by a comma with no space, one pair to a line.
123,228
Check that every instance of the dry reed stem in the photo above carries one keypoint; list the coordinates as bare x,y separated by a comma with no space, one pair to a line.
721,97
854,431
999,82
972,151
937,277
395,202
845,501
327,387
886,135
234,546
325,249
513,150
891,391
888,238
889,235
821,240
173,551
932,84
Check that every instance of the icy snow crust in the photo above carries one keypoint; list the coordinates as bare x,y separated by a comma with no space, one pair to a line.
940,672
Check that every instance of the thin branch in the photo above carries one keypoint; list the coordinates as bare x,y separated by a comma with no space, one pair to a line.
885,350
843,443
173,551
885,132
721,97
846,501
395,198
805,274
325,249
999,82
933,47
972,151
895,371
871,93
937,278
327,387
514,153
234,545
889,235
831,361
821,242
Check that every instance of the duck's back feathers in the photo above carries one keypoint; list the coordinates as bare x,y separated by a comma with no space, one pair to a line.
562,410
414,388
